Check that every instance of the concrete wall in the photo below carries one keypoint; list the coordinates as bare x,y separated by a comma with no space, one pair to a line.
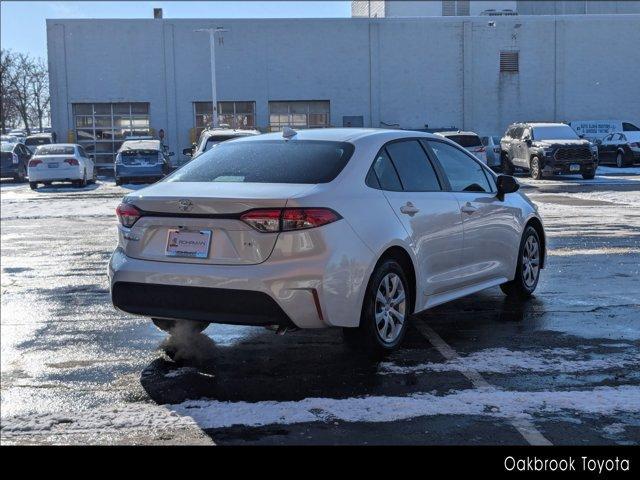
410,72
570,7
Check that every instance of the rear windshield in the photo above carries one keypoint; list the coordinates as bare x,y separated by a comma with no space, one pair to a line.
55,150
6,147
554,132
133,153
298,161
37,141
466,140
211,141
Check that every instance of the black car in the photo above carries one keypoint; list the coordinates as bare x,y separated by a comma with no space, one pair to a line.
14,159
547,148
620,148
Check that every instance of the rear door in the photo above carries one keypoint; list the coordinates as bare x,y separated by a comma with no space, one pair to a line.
491,230
429,214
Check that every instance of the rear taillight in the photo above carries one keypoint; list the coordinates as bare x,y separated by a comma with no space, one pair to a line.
72,161
127,214
288,219
479,150
34,163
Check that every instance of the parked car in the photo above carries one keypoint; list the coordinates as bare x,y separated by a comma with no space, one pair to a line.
553,148
34,141
468,140
210,137
492,146
620,148
8,139
598,129
315,229
141,160
19,135
14,158
61,162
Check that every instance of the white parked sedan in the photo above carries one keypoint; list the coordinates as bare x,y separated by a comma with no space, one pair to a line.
351,228
61,162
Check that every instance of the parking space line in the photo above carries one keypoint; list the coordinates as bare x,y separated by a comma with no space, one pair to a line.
526,428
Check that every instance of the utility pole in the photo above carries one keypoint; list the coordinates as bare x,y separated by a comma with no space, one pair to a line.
212,50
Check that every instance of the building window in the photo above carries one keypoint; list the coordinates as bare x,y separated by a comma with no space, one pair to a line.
240,115
298,114
509,61
463,8
102,127
451,8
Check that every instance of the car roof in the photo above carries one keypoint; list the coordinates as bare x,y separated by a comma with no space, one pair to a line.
231,132
43,135
456,132
140,145
338,134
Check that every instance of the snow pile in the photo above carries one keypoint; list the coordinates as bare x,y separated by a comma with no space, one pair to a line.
502,360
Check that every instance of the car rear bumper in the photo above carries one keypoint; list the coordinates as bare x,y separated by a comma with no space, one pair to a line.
315,278
53,174
124,171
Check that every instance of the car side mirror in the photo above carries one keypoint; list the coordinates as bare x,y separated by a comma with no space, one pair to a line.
506,184
188,151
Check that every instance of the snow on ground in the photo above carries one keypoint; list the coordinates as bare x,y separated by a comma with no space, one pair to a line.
503,360
215,414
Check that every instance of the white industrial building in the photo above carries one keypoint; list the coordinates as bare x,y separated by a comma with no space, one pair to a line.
113,78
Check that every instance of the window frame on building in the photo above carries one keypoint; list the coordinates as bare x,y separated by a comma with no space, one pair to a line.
235,117
103,123
296,110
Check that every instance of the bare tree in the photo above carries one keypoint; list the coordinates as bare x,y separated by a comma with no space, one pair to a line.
8,112
25,89
39,91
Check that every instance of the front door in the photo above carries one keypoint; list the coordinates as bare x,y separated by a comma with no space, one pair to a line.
491,232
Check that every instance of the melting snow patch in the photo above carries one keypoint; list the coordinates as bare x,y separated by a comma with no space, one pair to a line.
502,360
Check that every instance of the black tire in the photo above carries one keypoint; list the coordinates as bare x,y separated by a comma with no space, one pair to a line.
169,325
367,336
20,176
521,287
48,184
534,168
33,185
620,160
118,181
94,177
507,166
589,176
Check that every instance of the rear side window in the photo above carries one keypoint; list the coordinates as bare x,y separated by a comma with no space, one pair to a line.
385,173
629,127
466,140
464,173
268,161
413,166
517,132
55,150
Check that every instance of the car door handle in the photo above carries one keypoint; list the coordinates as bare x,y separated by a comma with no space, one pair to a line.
409,209
468,208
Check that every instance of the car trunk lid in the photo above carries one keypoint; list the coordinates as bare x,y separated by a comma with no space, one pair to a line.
208,213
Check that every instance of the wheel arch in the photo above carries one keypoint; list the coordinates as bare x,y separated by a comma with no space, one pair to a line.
537,225
400,255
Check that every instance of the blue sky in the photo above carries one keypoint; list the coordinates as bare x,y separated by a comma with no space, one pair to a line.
23,23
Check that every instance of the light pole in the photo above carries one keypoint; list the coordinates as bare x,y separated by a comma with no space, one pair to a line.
212,47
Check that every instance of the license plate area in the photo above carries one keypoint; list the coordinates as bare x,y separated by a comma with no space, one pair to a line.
574,167
53,165
188,243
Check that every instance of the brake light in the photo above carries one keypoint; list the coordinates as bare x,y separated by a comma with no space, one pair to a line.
479,150
72,161
288,219
34,163
127,214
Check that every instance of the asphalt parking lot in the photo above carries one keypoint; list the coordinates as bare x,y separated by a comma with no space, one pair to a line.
562,368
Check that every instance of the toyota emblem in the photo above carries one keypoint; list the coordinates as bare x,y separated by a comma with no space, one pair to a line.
185,204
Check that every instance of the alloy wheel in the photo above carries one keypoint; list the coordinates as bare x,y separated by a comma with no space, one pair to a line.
530,261
390,308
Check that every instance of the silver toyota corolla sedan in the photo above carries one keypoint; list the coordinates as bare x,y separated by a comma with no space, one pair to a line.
350,228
